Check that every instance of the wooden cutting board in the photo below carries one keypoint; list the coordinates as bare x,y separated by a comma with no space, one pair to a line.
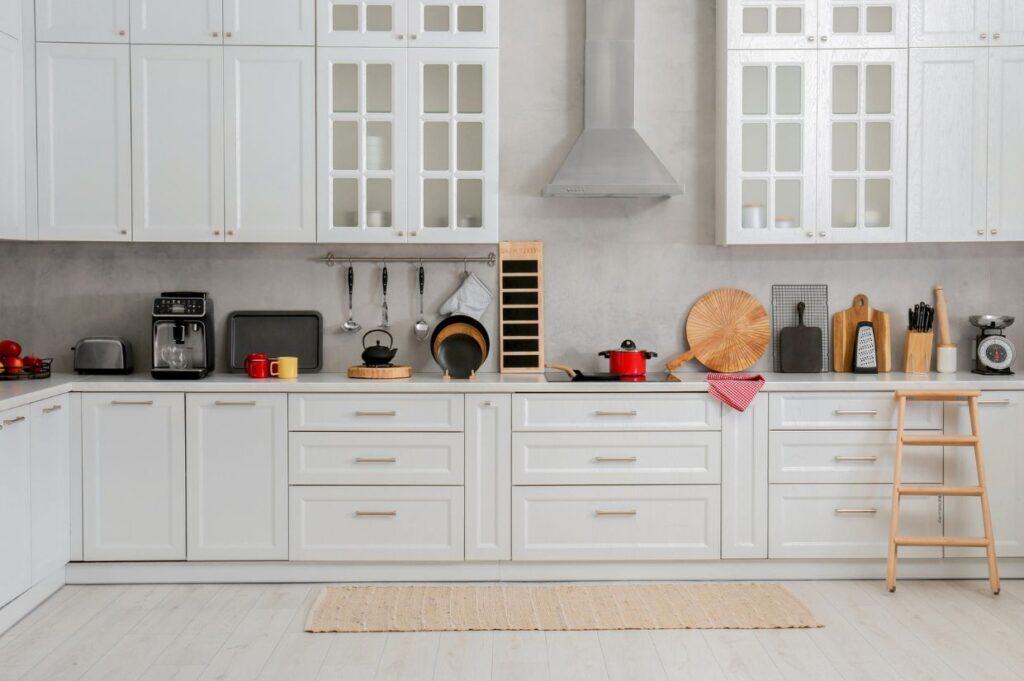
844,332
728,330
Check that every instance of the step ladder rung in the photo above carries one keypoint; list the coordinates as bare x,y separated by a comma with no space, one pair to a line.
938,491
978,542
937,395
940,440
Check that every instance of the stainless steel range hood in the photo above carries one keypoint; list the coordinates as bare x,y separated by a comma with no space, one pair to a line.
610,157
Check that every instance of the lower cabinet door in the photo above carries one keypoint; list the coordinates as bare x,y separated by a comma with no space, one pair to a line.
15,533
488,477
845,521
657,522
51,530
237,477
133,476
376,524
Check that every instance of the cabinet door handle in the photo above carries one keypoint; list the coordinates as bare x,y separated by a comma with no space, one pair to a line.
856,511
983,36
226,403
609,514
862,459
629,412
616,459
377,413
996,36
856,412
811,38
376,514
376,459
50,410
16,419
140,403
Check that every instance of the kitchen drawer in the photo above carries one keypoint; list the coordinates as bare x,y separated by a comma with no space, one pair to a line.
849,411
376,524
604,412
664,522
845,456
376,412
845,521
375,458
616,458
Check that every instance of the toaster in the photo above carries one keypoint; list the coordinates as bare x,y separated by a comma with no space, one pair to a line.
103,355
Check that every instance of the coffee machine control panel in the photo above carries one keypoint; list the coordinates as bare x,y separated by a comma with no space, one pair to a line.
179,307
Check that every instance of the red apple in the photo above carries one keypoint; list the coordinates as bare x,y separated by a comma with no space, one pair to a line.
13,365
33,364
10,348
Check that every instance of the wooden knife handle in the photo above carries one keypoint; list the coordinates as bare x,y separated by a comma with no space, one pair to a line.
942,314
680,360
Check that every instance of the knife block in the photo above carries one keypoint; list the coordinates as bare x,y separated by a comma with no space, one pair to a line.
917,354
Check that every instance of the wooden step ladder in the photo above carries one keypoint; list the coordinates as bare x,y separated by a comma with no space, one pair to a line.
900,490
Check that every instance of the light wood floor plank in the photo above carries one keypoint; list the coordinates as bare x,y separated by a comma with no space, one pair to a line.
463,656
630,655
518,655
352,657
204,636
686,655
249,647
575,656
182,605
796,656
298,657
408,657
127,660
167,672
741,656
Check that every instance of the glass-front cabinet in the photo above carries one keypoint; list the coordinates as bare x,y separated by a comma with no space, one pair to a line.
423,23
815,24
845,24
453,23
363,23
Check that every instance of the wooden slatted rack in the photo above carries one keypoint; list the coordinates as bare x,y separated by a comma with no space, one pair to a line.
521,288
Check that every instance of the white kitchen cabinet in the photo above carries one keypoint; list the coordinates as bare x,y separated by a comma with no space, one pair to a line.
182,22
949,23
769,24
270,144
948,145
453,23
15,508
453,146
745,439
1002,431
10,18
177,143
133,476
84,135
615,412
1006,19
857,24
82,21
269,22
1006,144
50,470
363,99
862,142
378,458
363,23
488,477
12,140
237,467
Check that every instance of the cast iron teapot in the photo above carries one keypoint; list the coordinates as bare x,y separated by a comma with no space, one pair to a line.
379,355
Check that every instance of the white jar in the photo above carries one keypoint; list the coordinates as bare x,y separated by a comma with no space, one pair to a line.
754,217
945,359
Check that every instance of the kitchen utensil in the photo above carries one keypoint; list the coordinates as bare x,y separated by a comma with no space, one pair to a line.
351,326
521,284
379,355
917,352
384,321
993,351
103,355
183,336
728,331
578,376
257,365
275,333
380,373
946,359
627,360
945,354
800,346
460,344
421,329
865,359
844,335
785,298
284,367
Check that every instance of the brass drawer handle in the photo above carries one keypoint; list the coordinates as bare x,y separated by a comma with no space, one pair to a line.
856,511
50,410
606,514
856,412
862,459
140,403
376,413
226,403
376,459
615,459
376,514
630,412
16,419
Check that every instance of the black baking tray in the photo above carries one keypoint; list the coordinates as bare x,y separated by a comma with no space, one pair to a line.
294,333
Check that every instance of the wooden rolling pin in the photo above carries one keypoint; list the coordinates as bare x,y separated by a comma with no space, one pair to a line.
942,315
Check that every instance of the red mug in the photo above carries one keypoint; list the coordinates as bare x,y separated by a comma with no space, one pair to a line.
257,365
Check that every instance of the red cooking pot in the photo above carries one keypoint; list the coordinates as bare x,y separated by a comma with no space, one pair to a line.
627,361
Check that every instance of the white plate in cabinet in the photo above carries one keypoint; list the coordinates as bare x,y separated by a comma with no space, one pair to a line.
376,412
849,411
616,412
845,521
616,458
376,458
376,523
856,456
664,522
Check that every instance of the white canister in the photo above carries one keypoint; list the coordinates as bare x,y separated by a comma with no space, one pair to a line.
375,152
754,217
945,359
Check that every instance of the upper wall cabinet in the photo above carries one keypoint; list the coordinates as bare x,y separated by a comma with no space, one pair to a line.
183,22
453,23
966,23
10,17
269,22
1006,145
846,24
82,21
363,23
394,23
12,141
813,24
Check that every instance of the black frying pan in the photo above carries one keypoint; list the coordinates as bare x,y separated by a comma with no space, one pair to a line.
578,376
459,354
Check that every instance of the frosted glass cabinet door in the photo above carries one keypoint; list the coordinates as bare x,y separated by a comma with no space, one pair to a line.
453,23
453,193
950,23
862,163
1006,145
363,23
772,143
84,137
12,141
772,24
847,24
948,144
1007,22
270,144
362,136
181,22
269,22
82,21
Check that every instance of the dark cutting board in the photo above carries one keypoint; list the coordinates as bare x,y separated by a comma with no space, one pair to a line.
800,347
276,334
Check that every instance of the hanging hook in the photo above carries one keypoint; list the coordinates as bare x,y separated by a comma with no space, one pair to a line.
465,266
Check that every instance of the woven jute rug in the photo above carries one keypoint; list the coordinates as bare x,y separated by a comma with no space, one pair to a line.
557,608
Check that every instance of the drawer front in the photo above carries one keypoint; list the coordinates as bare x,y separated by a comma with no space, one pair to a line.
376,412
849,411
375,458
842,456
664,522
616,458
616,412
376,524
845,521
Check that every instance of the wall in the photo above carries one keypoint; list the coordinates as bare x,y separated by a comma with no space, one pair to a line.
615,268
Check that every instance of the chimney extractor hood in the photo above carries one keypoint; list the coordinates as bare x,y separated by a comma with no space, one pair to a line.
610,157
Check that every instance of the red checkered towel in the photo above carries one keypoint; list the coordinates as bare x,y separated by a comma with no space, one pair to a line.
736,390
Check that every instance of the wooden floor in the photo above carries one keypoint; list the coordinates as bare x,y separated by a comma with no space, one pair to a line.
927,630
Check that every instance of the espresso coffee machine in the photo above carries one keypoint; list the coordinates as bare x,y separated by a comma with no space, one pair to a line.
182,335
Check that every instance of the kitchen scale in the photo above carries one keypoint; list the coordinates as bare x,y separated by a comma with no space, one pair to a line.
993,351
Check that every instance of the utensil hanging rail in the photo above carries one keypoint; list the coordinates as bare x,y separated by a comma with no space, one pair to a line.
331,260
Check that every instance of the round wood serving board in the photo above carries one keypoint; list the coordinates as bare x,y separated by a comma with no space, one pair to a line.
728,331
360,371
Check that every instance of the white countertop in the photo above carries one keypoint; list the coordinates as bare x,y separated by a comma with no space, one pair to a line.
17,393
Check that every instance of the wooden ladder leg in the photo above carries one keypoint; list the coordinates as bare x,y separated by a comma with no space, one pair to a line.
897,476
986,512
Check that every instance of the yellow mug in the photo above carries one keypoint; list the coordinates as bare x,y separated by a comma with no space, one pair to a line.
285,367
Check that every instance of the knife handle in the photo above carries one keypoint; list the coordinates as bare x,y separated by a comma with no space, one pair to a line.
942,314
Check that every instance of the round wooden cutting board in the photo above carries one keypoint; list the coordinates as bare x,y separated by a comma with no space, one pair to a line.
360,371
728,330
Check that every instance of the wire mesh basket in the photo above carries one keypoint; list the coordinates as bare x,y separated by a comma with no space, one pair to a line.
784,301
37,370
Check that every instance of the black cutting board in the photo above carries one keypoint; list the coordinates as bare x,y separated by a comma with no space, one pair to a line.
296,333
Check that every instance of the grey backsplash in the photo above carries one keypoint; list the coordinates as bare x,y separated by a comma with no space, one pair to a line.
615,268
